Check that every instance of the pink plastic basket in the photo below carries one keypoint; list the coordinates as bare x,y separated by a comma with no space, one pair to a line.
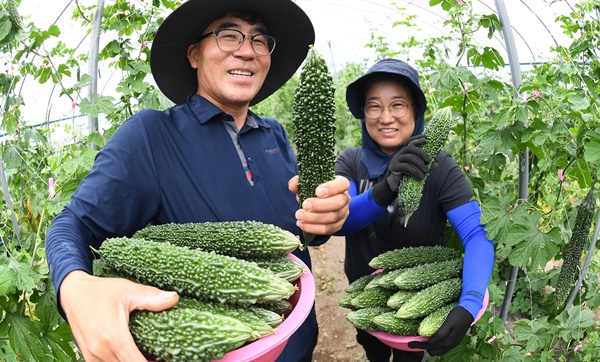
401,342
268,348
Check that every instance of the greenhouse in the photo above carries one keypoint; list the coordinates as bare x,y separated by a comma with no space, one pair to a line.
521,81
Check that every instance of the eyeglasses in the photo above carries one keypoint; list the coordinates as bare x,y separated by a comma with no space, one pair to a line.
397,109
230,40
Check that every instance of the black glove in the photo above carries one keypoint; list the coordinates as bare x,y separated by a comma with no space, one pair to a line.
410,160
449,335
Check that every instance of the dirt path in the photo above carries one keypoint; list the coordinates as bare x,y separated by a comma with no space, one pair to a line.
337,340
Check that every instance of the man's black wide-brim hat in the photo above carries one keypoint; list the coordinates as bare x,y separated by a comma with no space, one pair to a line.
285,20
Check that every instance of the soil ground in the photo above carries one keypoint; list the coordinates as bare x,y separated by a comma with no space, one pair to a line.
337,341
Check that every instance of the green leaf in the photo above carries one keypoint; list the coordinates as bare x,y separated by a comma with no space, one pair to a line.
22,334
547,356
53,30
5,26
59,341
85,81
99,104
514,355
96,139
24,277
45,306
45,74
492,166
533,333
579,102
497,217
6,284
522,113
492,23
490,58
531,246
573,323
592,151
7,354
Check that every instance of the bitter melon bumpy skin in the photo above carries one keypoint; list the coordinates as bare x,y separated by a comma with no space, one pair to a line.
413,256
581,232
240,239
314,126
428,300
187,334
194,272
410,190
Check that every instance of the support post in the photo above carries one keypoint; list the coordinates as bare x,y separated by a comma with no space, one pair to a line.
515,69
93,63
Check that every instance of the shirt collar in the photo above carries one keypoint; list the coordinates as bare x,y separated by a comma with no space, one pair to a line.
204,111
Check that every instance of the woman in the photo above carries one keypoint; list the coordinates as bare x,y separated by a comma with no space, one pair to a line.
391,105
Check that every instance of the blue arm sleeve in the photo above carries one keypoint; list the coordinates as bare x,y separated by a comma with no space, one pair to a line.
364,210
479,255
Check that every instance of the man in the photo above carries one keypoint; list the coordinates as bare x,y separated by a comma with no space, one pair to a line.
206,159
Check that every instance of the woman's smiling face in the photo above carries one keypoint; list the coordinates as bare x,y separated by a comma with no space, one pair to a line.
388,131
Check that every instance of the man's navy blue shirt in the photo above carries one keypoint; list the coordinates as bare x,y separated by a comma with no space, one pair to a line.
178,165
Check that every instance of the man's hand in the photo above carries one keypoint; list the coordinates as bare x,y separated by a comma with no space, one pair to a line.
98,310
450,333
324,214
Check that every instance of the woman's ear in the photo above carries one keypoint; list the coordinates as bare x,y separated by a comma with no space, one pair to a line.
192,55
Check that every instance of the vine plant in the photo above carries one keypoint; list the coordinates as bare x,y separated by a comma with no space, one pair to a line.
557,120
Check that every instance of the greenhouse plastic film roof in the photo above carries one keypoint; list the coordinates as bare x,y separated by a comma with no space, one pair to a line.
344,28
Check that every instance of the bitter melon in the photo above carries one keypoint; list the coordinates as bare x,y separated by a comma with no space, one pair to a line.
314,127
389,323
346,300
283,267
413,256
372,297
399,298
272,313
581,232
432,322
363,318
259,327
187,334
427,300
387,279
280,306
262,321
194,272
375,281
241,239
410,189
13,14
423,276
359,284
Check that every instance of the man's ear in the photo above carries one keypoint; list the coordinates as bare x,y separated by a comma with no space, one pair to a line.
192,55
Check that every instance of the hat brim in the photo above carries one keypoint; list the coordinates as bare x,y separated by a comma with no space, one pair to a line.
355,92
172,71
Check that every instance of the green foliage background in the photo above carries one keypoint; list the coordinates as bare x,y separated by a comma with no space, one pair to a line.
554,125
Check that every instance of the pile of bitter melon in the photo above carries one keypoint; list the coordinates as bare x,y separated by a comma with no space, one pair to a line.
233,279
410,296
